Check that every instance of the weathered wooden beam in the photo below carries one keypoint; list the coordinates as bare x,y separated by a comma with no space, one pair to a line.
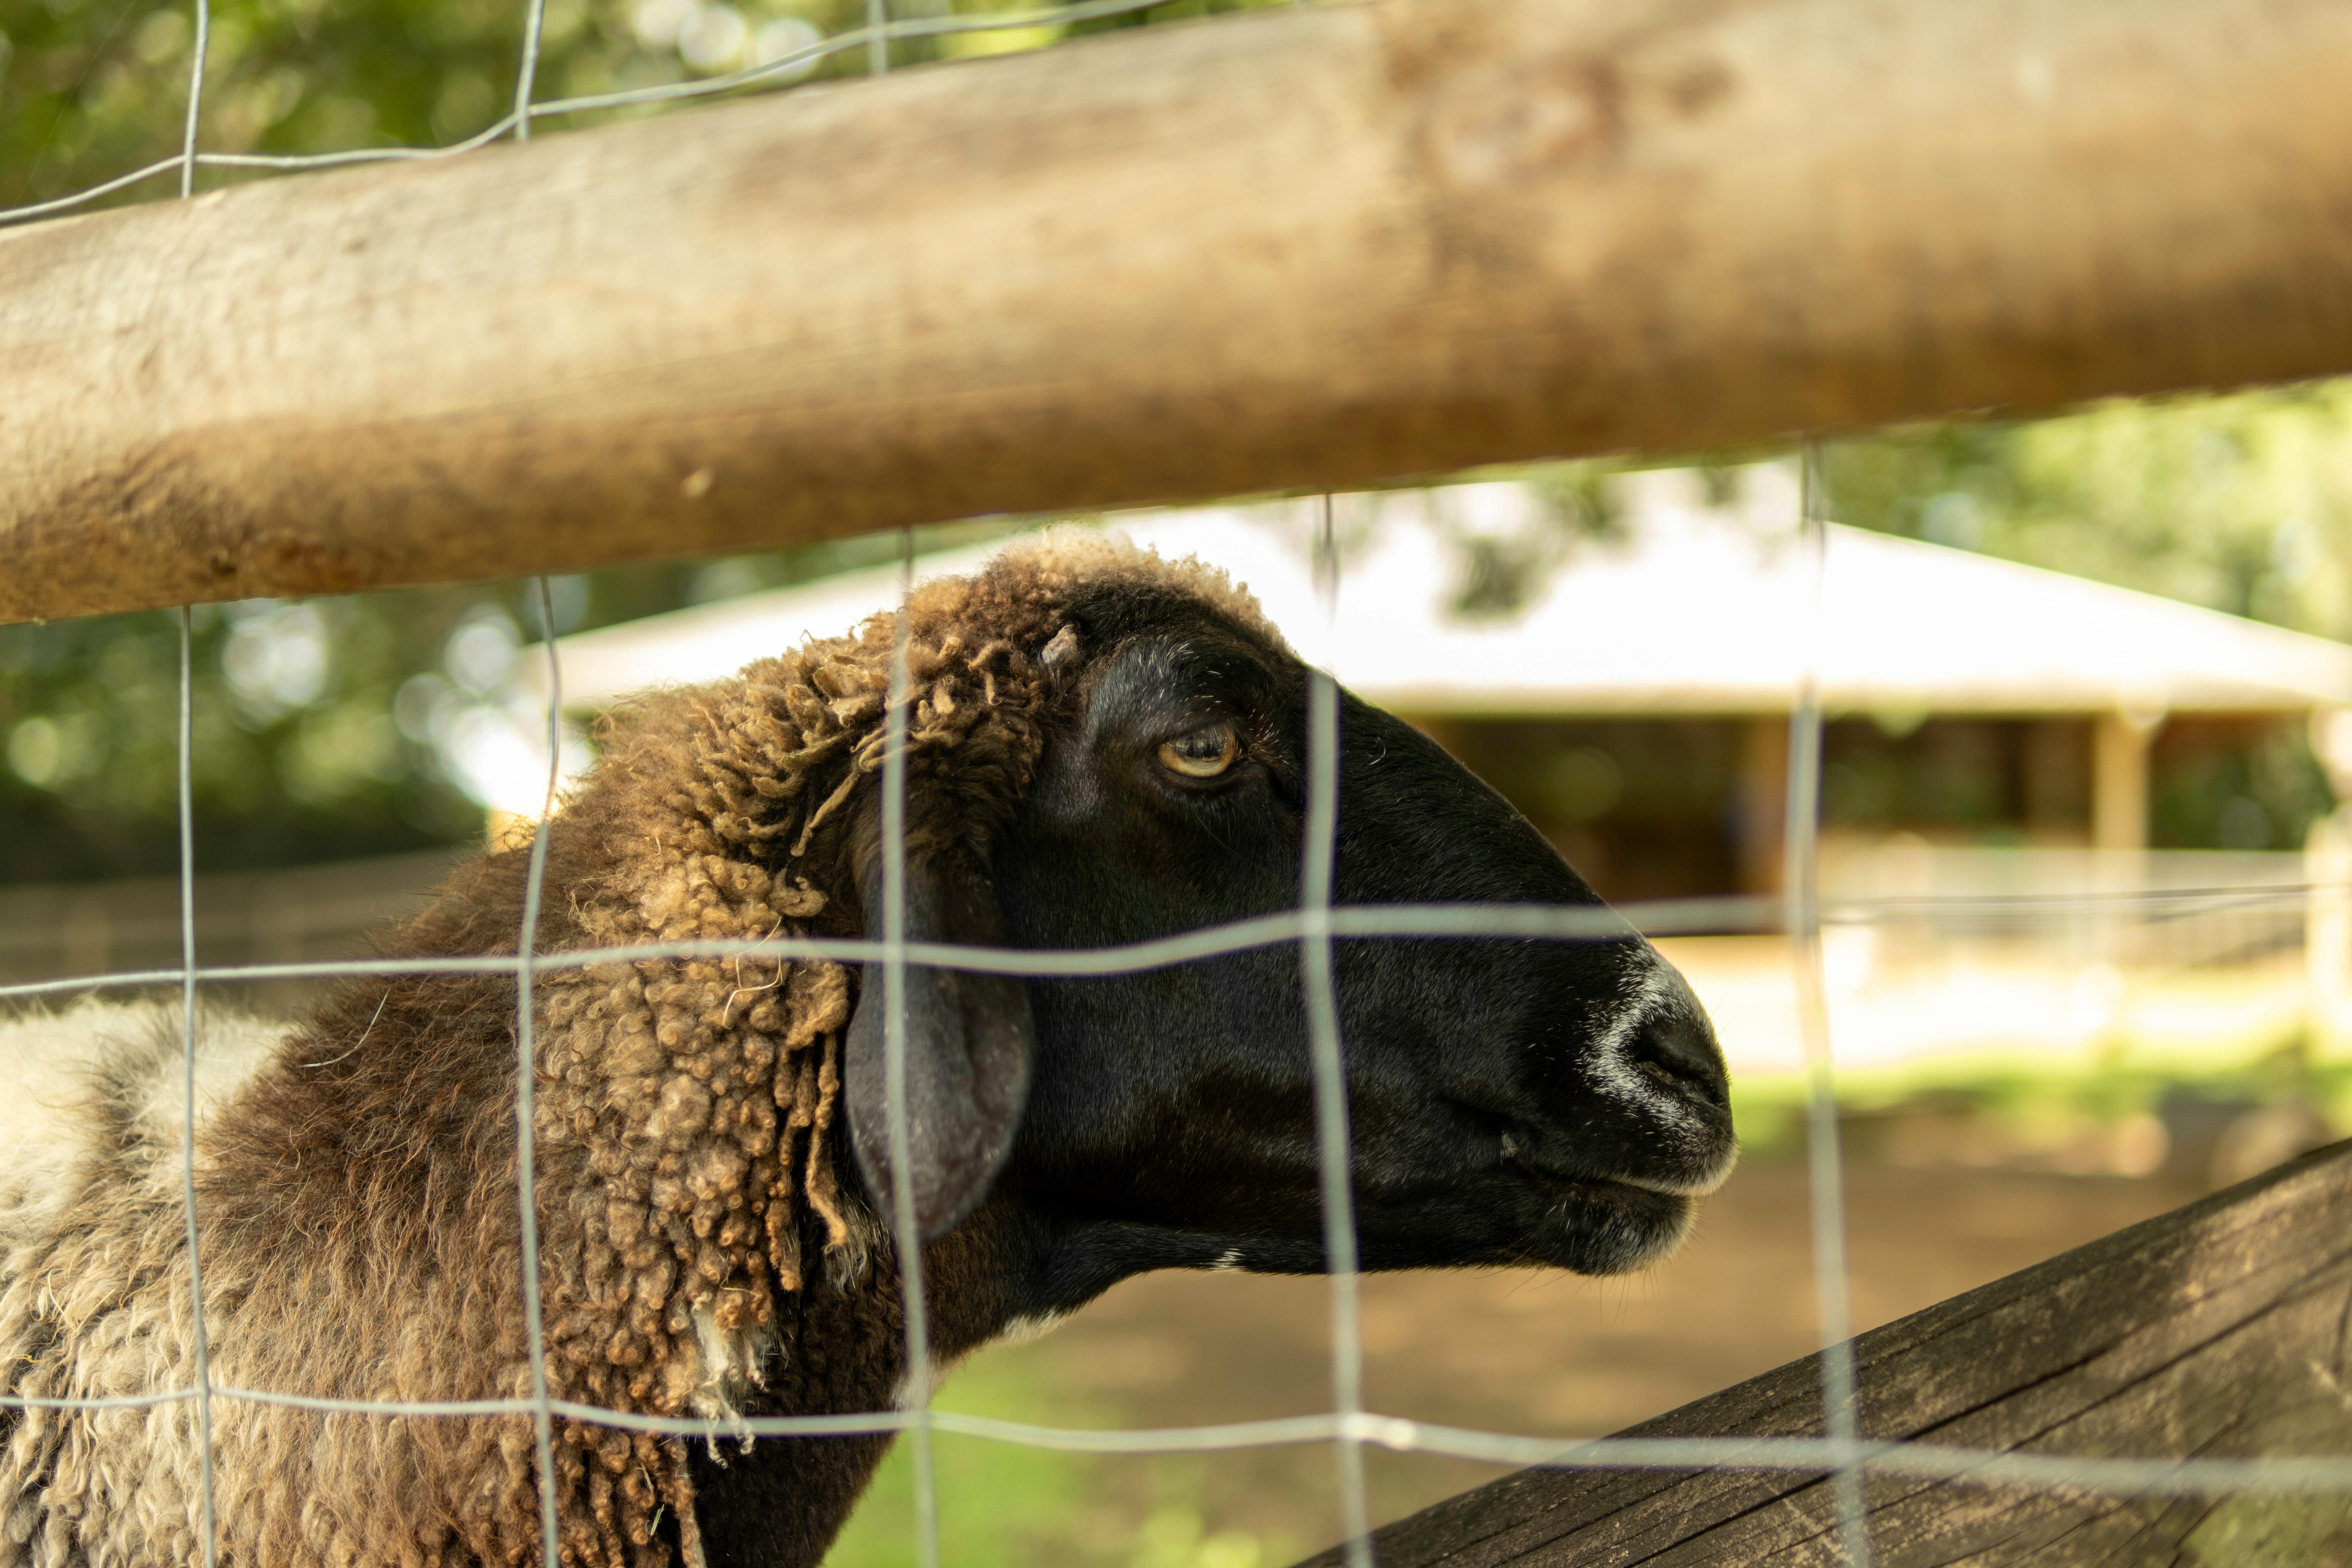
1309,248
2223,1330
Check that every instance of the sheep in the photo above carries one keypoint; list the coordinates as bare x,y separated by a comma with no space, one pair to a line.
1100,747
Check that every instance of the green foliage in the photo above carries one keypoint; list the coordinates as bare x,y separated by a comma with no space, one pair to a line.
324,729
1175,11
1505,570
1006,1506
296,754
96,87
2020,1090
2263,795
2241,503
90,89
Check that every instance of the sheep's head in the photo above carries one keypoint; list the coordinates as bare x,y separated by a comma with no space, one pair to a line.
1557,1101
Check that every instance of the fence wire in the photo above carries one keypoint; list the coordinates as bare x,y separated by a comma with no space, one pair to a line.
185,759
1801,878
542,1418
1318,865
904,1229
1844,1457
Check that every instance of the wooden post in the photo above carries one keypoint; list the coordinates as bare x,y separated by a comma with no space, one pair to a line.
2327,935
1312,246
1763,806
2119,783
2217,1331
2327,912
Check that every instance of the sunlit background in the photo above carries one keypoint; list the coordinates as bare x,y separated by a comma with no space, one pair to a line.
2089,716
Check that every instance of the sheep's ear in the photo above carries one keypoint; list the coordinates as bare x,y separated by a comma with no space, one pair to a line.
1060,655
969,1042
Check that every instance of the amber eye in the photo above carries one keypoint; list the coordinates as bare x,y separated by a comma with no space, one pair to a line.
1202,754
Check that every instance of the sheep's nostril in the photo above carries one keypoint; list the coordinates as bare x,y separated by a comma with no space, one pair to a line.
1681,1052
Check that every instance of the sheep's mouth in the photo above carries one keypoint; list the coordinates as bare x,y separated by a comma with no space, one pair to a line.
1696,1186
1585,1186
1602,1225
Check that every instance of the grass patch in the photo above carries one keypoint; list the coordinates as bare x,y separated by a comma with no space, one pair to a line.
1005,1506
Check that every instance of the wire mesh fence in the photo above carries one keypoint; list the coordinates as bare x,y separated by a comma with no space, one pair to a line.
1845,1455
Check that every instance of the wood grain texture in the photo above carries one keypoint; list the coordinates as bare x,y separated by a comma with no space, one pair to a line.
1316,247
2221,1330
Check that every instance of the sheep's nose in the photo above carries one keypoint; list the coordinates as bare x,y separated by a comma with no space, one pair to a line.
1680,1051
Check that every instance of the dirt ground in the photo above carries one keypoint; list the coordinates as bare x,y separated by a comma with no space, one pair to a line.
1510,1351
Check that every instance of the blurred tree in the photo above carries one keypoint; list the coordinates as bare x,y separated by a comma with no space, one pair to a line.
296,754
90,89
324,729
2241,503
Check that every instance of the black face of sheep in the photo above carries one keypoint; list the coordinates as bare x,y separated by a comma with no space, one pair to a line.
1512,1101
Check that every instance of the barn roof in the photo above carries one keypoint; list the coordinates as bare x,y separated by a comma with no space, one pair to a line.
1681,608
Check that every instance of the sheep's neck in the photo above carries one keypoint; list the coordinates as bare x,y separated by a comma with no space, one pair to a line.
841,1349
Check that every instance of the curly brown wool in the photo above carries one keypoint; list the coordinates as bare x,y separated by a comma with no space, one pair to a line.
357,1189
703,1090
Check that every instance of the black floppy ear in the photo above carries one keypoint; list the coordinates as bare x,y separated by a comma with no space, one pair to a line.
970,1043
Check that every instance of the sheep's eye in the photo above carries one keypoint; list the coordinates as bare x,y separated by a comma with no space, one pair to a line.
1202,754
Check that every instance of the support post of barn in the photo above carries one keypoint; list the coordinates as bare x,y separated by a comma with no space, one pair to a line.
2119,748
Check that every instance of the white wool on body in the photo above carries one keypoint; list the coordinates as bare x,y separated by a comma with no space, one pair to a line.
58,1066
95,1305
93,1248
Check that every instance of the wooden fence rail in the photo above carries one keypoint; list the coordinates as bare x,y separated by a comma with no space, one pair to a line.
1311,247
2223,1330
